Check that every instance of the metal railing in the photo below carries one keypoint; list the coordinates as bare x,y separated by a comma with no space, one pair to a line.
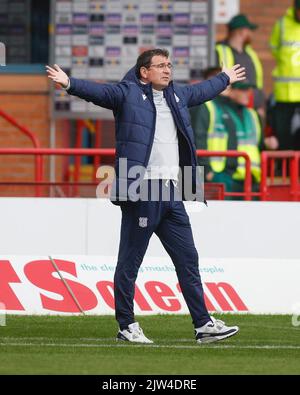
34,139
108,152
234,154
285,176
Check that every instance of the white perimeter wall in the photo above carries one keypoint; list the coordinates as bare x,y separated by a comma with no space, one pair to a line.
91,227
249,257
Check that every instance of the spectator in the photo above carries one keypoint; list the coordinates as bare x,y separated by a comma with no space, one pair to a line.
226,123
236,48
285,44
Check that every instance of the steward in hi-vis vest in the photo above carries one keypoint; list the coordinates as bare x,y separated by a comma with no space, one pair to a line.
225,124
285,46
247,128
236,48
226,55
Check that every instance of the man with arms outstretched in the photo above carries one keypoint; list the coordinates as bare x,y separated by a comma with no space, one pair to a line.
153,131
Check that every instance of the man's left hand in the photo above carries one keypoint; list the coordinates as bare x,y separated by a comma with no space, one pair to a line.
235,73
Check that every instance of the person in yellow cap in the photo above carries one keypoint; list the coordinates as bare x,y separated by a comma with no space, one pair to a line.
285,45
236,48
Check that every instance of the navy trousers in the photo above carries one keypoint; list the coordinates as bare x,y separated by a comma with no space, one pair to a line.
170,222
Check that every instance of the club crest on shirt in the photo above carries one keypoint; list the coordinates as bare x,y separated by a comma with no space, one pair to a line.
143,222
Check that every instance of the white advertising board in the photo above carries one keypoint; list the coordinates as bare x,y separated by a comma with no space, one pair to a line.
31,285
249,257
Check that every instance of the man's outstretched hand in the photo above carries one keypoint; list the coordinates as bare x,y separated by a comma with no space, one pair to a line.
235,73
57,75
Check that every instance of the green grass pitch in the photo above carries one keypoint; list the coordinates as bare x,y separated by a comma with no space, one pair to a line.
266,344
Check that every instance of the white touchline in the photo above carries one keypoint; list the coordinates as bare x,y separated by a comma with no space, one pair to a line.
287,328
110,339
212,346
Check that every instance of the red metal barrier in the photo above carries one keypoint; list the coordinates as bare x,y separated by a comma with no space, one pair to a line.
111,152
35,142
289,186
234,154
39,181
284,186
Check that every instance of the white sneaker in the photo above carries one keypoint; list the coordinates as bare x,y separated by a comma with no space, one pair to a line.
133,333
214,330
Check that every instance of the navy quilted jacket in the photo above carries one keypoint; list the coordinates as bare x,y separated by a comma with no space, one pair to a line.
135,117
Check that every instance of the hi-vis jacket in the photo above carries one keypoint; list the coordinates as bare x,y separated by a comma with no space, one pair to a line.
222,125
285,45
226,56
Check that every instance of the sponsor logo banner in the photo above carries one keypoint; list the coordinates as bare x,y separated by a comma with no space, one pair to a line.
71,284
